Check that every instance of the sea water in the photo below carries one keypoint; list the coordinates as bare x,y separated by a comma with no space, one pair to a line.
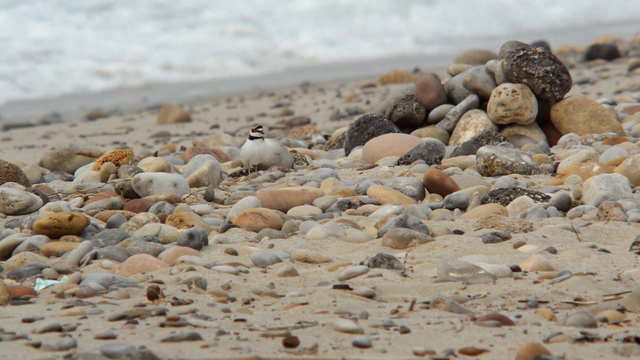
54,47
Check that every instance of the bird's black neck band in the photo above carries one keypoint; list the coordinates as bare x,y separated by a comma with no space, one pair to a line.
251,137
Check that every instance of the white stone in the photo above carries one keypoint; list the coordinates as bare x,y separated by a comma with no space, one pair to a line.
249,202
18,202
604,187
353,271
159,183
520,204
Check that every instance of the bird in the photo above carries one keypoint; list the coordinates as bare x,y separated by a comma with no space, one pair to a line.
254,149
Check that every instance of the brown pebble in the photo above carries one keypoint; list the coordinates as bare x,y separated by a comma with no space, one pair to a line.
531,350
291,342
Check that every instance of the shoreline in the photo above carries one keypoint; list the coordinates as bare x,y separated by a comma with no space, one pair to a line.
72,107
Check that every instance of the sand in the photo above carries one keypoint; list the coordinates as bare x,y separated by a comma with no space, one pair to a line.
264,305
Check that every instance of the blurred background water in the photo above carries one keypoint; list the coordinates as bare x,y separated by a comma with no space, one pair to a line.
55,47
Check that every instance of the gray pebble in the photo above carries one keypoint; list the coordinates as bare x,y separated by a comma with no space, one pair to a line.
362,342
457,200
495,237
115,351
195,238
582,319
264,258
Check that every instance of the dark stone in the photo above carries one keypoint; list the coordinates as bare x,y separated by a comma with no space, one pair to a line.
486,137
125,189
410,186
406,112
162,207
23,273
366,128
404,221
190,336
450,121
541,44
602,51
505,196
541,70
456,92
109,237
210,193
431,151
40,194
384,261
495,237
195,238
115,221
341,205
128,171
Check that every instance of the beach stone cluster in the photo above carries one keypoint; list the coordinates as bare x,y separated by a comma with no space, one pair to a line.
438,168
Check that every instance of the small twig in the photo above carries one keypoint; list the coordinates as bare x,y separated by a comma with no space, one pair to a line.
413,303
575,231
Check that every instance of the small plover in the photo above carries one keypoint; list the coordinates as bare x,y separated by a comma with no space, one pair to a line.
254,149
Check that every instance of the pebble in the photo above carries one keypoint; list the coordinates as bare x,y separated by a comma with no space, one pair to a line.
257,219
502,160
531,351
386,145
361,342
18,202
159,183
402,239
195,238
581,319
366,128
264,258
470,125
117,350
352,272
512,103
346,326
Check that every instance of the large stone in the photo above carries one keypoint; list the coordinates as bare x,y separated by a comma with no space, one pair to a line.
147,184
187,220
18,202
600,188
56,225
485,210
479,81
582,115
470,147
139,263
67,159
432,131
284,199
155,164
631,169
541,70
431,151
258,219
602,51
472,124
12,173
172,114
438,182
388,145
520,135
202,171
366,128
387,195
512,103
430,92
502,160
406,112
454,115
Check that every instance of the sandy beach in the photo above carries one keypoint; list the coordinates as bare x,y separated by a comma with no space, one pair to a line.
306,288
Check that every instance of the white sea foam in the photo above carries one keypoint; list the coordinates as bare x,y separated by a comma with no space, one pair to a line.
56,47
